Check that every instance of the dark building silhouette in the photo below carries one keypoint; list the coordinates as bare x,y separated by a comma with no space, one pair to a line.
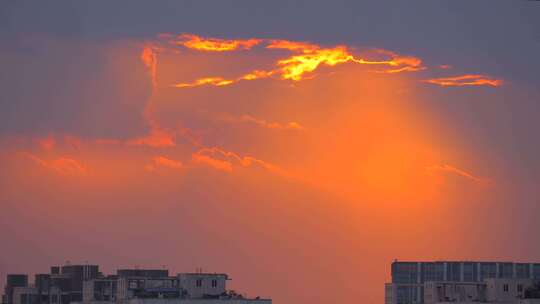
85,284
149,273
12,281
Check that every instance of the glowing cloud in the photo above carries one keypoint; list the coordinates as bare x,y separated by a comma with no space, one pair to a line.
46,143
265,124
304,47
444,168
307,58
217,164
465,80
62,165
218,81
149,58
296,66
157,138
213,44
215,81
224,160
161,161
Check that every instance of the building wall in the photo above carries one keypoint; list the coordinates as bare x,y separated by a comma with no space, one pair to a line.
500,290
436,292
408,277
99,290
128,287
199,284
12,281
25,295
150,273
200,301
389,293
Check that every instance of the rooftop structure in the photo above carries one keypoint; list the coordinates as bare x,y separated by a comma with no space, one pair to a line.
84,284
409,279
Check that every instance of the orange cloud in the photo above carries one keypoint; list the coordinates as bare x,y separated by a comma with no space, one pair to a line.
266,124
73,141
465,80
62,165
444,168
295,67
304,47
307,58
217,164
397,62
213,44
149,58
219,81
52,141
107,141
157,138
161,161
224,160
215,81
46,143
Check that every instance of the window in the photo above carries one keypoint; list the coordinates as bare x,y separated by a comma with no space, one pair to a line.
519,288
505,287
214,283
198,283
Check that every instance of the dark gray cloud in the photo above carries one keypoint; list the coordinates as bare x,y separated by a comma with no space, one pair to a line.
71,86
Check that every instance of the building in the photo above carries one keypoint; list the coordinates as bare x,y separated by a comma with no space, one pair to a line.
149,273
204,301
62,285
437,292
198,285
147,287
25,295
100,289
13,281
506,290
84,284
76,275
409,278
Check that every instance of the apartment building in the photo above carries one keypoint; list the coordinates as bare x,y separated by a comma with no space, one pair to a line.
409,278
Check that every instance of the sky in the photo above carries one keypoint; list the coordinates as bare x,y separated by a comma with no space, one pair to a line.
299,146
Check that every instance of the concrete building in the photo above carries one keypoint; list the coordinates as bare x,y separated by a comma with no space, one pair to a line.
408,278
25,295
201,301
84,284
506,290
198,285
101,289
147,287
148,273
437,292
12,281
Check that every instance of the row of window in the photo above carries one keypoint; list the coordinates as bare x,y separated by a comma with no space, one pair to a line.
199,283
506,288
410,272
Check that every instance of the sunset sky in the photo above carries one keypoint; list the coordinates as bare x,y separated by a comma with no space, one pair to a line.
300,146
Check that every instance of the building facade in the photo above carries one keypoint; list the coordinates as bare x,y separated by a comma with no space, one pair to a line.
84,284
408,278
